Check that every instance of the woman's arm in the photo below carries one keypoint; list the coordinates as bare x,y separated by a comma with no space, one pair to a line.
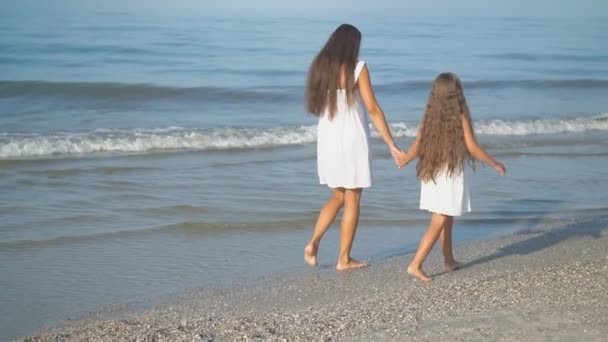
477,151
375,112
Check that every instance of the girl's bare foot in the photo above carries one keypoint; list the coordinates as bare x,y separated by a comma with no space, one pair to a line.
453,266
310,255
419,274
350,265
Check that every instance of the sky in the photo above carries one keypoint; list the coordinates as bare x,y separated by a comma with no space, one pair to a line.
492,8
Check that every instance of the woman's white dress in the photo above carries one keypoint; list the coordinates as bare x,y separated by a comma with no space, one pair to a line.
447,195
343,151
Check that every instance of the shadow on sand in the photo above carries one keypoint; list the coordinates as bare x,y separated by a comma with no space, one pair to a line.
545,238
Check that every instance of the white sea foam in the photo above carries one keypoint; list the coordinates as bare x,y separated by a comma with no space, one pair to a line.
522,127
543,126
176,138
138,141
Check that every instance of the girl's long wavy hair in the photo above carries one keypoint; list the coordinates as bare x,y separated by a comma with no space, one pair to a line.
338,57
442,145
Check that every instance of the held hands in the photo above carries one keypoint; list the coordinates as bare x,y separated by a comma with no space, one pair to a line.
501,169
402,159
396,153
399,156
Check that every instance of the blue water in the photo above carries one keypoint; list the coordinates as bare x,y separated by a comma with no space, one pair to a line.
142,155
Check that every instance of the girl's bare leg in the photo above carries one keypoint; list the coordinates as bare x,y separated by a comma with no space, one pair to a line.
446,246
429,238
326,218
350,220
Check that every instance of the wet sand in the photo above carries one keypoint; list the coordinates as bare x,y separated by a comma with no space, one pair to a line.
545,284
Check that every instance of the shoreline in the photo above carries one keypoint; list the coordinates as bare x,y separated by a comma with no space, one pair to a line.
537,284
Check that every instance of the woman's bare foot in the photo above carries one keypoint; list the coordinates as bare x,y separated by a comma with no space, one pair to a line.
350,265
310,255
419,274
453,266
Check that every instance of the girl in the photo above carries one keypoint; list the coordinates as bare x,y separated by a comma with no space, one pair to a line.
337,89
444,144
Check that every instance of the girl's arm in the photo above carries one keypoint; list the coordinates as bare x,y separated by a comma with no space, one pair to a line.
406,157
477,151
375,112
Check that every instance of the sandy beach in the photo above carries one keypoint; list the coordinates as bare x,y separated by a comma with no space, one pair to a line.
545,284
159,178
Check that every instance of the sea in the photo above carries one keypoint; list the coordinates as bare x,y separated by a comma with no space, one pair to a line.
143,155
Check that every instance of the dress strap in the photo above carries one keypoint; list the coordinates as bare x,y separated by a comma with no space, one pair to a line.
358,69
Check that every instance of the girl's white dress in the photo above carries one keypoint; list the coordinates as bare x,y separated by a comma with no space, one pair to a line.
343,151
448,194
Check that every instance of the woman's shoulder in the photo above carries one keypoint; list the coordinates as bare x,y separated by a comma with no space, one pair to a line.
359,68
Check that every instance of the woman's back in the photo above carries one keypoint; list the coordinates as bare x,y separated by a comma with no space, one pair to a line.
343,105
343,154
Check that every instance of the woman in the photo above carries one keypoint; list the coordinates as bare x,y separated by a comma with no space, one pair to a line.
338,91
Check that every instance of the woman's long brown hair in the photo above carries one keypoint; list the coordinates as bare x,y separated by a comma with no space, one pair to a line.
442,144
339,55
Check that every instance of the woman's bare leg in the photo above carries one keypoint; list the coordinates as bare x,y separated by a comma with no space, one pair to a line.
350,220
426,244
326,218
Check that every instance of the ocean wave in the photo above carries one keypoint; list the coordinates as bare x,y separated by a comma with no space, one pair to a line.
132,92
522,127
196,229
543,126
150,140
24,146
103,91
500,84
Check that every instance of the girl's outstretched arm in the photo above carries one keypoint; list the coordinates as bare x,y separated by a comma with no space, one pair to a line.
477,151
375,112
406,157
